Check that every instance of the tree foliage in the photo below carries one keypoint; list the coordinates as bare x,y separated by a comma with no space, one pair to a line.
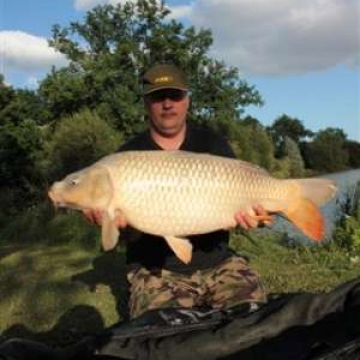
353,149
77,141
21,115
327,152
250,141
286,127
292,160
7,93
114,45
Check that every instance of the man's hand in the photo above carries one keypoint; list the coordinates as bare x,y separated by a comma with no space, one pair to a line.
246,221
95,217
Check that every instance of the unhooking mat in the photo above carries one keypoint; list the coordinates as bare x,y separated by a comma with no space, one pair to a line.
302,326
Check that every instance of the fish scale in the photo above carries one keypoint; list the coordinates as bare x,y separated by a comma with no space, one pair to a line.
175,194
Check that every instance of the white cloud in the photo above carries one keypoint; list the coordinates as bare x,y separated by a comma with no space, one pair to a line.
260,37
179,12
281,37
20,51
87,4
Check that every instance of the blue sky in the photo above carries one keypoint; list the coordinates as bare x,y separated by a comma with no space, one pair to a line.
302,55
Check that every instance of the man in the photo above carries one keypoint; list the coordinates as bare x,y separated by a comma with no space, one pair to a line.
215,277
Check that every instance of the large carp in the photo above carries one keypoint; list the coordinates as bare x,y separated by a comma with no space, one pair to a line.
175,194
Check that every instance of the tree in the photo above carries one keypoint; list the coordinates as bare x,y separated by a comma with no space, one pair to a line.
20,144
117,43
7,93
65,92
24,104
295,162
77,141
327,152
251,142
353,149
261,149
287,127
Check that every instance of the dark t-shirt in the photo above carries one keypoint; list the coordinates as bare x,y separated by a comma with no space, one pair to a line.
152,252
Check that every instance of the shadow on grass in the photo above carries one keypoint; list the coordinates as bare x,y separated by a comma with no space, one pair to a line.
74,325
109,270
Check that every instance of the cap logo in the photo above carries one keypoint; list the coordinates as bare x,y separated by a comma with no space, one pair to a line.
163,79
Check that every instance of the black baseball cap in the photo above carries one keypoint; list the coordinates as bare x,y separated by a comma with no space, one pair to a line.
164,76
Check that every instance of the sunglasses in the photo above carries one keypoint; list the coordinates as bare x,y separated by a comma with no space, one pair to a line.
161,95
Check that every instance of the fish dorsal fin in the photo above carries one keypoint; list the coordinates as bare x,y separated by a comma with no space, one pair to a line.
181,247
109,232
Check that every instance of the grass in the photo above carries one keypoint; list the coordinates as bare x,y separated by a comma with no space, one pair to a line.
57,292
297,268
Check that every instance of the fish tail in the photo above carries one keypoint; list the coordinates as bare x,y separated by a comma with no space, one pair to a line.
317,189
307,217
305,213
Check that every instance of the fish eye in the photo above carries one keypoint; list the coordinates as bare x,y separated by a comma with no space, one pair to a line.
74,181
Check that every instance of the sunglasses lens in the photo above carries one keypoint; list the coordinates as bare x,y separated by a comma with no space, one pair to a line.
171,94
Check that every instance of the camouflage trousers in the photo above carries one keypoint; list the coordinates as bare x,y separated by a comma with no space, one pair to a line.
231,283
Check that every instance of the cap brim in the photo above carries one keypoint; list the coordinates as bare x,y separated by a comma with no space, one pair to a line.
157,88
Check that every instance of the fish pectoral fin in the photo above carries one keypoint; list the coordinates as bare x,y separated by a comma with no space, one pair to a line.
181,247
109,232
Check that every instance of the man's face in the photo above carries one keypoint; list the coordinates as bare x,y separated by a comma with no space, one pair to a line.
167,109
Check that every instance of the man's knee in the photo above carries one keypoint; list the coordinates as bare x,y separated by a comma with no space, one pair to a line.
166,289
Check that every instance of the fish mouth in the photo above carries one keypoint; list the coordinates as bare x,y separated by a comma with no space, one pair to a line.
59,204
65,205
57,199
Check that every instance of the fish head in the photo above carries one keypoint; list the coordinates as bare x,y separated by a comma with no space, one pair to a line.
87,189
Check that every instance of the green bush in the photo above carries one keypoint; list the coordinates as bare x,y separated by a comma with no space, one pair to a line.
347,232
78,141
20,144
71,228
42,224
